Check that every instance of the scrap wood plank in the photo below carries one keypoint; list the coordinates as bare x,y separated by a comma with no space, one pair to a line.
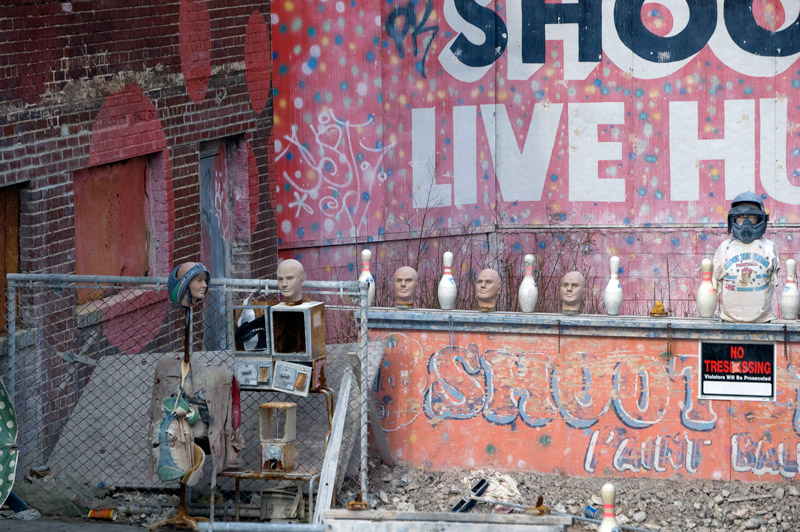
374,420
386,521
328,475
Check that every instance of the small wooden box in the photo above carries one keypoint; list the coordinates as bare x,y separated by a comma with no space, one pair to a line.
297,331
257,311
277,422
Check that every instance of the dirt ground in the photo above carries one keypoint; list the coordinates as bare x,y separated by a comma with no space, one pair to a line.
644,503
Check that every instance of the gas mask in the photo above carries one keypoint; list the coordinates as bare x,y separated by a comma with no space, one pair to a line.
752,223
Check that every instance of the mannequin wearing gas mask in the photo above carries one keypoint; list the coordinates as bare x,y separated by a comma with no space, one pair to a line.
746,265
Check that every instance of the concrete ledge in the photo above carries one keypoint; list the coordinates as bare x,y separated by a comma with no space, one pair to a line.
707,329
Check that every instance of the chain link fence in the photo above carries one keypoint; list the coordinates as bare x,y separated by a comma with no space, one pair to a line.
81,353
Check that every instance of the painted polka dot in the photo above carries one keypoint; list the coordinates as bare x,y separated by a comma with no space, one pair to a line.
315,51
286,226
298,103
274,19
340,7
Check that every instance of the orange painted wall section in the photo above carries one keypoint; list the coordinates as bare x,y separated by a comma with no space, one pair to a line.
578,405
111,220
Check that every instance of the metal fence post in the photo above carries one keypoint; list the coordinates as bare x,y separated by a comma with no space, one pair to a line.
11,339
364,392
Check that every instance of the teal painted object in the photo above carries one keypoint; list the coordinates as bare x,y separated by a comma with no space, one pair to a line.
8,444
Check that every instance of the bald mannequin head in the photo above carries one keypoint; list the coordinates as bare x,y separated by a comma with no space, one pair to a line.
571,292
290,281
197,286
487,287
405,281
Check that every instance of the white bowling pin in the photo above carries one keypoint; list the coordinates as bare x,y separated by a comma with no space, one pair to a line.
366,275
528,293
609,522
706,295
790,297
447,285
612,297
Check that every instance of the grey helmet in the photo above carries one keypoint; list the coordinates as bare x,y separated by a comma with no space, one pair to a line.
747,231
178,288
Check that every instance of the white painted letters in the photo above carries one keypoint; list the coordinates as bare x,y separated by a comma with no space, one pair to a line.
585,151
687,151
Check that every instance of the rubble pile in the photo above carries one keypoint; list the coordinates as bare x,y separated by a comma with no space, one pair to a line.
654,504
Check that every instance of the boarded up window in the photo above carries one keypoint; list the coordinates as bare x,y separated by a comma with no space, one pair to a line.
111,236
9,244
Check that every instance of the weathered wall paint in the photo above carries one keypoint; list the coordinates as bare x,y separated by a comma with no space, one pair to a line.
592,406
524,117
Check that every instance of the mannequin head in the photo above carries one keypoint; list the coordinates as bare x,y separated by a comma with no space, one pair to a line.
405,286
290,280
487,286
571,292
188,284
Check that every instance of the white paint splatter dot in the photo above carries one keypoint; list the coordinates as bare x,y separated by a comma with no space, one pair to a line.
306,69
298,103
278,146
315,51
286,226
329,225
340,7
274,18
362,88
378,20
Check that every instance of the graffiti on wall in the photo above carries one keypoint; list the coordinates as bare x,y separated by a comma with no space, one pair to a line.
608,404
620,112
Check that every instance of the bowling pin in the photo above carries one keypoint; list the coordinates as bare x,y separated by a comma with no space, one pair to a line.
612,297
366,275
528,293
706,295
447,285
609,522
790,297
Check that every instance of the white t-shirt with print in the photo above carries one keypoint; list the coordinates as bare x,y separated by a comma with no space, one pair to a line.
746,274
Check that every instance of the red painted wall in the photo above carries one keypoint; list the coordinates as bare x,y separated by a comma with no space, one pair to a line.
519,125
590,406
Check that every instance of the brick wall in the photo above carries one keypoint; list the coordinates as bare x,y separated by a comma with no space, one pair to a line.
86,83
61,62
